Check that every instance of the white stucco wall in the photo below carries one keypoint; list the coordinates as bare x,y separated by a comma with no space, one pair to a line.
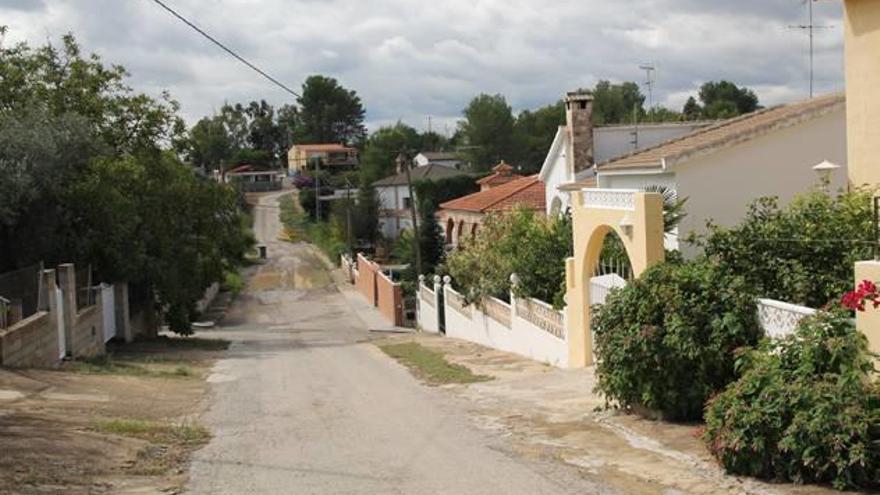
615,141
522,337
720,186
557,175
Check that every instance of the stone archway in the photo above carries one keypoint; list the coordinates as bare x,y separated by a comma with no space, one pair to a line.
450,231
637,219
460,233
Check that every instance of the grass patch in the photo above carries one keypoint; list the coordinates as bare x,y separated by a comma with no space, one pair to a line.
161,433
430,365
233,282
107,365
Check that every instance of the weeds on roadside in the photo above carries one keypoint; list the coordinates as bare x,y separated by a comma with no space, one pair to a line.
430,365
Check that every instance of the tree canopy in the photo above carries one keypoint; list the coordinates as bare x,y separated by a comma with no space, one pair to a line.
329,113
488,130
89,173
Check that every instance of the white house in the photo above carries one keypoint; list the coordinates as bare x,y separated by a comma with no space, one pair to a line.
722,168
598,144
445,158
395,213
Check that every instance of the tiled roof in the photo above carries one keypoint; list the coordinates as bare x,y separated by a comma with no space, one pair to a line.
503,173
525,191
326,147
432,171
727,133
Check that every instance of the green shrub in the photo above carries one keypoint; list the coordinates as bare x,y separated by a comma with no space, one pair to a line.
805,409
666,341
803,253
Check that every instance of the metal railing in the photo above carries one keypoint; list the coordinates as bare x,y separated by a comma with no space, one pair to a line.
25,285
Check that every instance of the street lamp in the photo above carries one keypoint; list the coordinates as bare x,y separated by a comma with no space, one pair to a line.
824,170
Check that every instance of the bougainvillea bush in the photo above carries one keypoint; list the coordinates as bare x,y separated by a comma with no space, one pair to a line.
805,409
666,342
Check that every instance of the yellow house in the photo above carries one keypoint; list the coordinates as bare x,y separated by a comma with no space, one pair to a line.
332,156
862,28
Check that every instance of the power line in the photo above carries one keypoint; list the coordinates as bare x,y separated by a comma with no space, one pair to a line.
226,49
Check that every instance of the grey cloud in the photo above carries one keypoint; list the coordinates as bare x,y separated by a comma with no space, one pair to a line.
411,59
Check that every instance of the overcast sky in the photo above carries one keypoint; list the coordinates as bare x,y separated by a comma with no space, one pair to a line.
409,59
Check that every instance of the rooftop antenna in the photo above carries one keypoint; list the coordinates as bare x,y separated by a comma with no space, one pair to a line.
810,29
649,82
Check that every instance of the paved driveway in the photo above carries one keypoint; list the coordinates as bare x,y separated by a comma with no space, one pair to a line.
304,404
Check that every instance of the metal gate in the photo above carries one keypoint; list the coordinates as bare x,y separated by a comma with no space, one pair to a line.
108,308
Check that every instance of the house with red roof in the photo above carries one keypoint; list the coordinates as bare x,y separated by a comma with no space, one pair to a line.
502,191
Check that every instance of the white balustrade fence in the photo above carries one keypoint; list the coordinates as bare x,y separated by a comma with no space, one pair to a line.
526,327
428,308
615,199
779,319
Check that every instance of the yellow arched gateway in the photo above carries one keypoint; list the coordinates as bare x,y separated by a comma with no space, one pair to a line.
637,218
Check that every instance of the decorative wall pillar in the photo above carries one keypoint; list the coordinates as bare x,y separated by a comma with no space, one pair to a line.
67,283
868,321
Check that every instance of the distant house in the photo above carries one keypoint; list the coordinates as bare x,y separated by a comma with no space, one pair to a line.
445,158
722,168
460,218
395,213
252,179
331,156
596,145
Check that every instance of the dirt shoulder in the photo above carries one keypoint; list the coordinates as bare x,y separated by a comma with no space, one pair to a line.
123,424
551,413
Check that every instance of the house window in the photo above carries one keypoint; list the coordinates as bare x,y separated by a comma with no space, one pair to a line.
407,203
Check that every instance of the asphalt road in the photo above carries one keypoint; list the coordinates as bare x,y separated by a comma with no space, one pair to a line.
303,403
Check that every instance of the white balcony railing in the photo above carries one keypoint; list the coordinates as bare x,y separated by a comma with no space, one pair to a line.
614,199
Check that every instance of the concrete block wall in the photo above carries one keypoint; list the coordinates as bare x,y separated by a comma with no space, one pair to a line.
84,330
34,341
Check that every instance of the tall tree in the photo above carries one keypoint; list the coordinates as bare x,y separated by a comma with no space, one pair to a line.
692,110
381,149
209,145
724,99
533,134
488,129
621,103
329,113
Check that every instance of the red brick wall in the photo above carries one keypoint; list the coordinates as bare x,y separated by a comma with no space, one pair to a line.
390,299
366,281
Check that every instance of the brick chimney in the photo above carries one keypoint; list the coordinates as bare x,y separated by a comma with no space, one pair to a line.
579,125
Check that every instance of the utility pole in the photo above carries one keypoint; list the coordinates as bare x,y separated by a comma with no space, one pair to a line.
317,191
810,28
403,161
348,216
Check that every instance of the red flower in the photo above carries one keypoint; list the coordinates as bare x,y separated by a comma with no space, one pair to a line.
865,292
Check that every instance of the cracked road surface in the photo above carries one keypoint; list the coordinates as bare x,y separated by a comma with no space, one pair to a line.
303,403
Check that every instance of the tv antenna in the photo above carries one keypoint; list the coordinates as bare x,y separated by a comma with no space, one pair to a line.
810,28
649,83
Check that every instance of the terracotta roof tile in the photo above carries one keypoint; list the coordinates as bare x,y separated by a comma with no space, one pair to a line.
526,191
727,133
503,173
